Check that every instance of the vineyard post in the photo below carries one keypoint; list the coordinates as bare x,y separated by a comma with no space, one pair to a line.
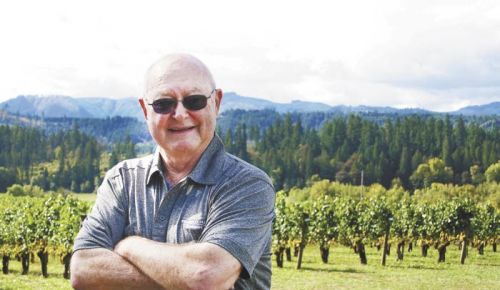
386,241
304,232
463,253
5,264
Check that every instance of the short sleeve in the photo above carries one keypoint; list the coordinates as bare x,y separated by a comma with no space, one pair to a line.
104,226
240,219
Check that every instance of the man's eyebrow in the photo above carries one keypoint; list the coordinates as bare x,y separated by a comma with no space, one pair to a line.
195,90
164,94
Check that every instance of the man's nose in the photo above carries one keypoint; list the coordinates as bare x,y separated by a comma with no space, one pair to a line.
179,111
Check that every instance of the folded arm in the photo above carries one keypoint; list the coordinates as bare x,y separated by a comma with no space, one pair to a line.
101,268
184,266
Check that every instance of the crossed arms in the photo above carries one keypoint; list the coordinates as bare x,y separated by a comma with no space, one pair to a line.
239,221
139,263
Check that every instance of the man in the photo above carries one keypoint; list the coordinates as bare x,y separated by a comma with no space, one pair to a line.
190,216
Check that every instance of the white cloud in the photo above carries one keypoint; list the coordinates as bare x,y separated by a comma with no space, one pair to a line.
433,54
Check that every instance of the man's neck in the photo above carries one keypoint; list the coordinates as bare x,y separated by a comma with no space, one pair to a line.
178,166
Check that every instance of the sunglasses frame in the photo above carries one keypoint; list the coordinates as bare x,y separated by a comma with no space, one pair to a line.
174,101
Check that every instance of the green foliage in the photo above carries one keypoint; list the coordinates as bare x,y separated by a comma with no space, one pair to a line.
349,223
64,159
434,170
403,227
298,194
476,177
490,192
353,216
493,173
485,225
355,149
443,192
16,190
71,214
8,215
25,190
32,224
323,222
121,151
298,217
291,148
8,178
281,226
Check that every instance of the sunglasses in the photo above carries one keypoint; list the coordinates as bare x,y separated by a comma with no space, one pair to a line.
191,103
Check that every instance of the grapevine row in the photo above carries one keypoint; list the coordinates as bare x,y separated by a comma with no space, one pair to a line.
40,226
358,220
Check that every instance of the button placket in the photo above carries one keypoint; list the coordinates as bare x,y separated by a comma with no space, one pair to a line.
164,213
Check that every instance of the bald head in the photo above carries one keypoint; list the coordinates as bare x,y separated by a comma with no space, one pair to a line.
178,68
180,121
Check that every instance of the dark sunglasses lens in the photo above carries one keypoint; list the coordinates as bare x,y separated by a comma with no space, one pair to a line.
164,106
195,102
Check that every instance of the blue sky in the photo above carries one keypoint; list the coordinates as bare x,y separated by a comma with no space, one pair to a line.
438,55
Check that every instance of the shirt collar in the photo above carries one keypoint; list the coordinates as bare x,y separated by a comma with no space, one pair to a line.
206,171
209,168
156,165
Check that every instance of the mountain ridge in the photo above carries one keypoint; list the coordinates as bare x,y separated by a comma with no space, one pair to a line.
66,106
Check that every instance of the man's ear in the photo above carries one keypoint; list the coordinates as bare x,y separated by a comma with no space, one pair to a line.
143,107
218,100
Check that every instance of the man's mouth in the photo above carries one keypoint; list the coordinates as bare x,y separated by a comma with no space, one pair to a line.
180,130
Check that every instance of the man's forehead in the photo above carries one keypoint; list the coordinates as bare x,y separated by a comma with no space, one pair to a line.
168,89
178,72
186,84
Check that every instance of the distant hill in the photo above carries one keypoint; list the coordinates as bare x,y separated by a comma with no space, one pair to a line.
489,109
50,106
233,101
64,106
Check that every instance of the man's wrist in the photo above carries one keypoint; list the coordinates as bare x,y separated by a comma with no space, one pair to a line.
123,247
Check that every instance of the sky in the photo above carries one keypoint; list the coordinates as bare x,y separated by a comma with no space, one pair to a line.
436,55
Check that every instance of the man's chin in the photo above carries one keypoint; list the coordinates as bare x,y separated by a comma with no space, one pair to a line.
182,147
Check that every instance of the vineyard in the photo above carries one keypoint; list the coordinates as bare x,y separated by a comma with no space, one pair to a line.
40,226
323,215
436,217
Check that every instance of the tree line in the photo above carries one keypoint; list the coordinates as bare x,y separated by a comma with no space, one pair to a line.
67,159
106,130
356,150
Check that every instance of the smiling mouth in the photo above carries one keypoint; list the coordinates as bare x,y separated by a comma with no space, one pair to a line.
180,130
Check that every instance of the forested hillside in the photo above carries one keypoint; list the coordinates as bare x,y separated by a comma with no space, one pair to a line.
413,150
66,159
107,130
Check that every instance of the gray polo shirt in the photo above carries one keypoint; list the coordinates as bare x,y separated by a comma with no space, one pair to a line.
224,201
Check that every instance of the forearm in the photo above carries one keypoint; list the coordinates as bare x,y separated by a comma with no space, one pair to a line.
185,266
103,269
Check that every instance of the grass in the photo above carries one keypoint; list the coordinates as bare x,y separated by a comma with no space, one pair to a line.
345,272
342,272
34,280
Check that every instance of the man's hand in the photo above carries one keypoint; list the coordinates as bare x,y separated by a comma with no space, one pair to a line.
183,266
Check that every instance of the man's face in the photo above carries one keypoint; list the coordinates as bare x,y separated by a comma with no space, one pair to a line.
181,131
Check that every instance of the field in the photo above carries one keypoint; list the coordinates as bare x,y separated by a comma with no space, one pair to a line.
342,272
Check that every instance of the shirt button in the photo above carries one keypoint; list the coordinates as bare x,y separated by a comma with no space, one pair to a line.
162,218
